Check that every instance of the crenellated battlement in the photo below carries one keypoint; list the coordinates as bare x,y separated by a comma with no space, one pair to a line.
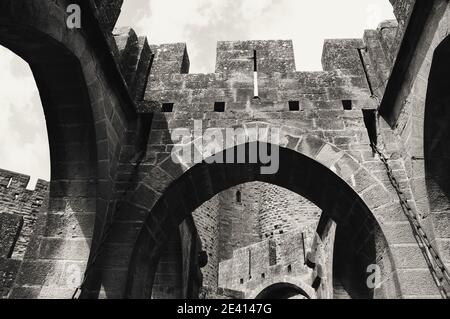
272,56
354,70
159,74
19,182
19,204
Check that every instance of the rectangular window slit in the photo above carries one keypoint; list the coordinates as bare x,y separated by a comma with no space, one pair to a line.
9,183
255,75
347,104
238,196
294,106
167,107
219,107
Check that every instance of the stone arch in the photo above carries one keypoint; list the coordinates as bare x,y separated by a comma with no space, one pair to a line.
317,170
436,145
284,289
421,104
408,115
77,118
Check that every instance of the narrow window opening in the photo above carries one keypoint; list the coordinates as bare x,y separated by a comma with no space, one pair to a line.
294,106
167,107
219,107
238,197
9,183
242,281
370,121
289,268
255,75
263,275
304,248
347,104
249,264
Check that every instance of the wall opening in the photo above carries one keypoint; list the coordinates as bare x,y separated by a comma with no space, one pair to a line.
294,106
238,197
8,185
342,204
219,107
347,105
167,107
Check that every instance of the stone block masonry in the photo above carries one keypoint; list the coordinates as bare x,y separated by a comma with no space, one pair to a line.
112,101
255,266
19,209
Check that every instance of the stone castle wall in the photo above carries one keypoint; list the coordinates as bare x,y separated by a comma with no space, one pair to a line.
19,208
206,219
354,71
248,214
121,155
262,263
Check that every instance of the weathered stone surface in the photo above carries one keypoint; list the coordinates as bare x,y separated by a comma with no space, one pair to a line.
10,227
115,183
8,273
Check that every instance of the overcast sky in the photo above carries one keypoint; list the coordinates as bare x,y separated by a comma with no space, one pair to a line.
199,23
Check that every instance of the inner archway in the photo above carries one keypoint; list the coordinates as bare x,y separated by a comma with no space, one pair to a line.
437,145
298,173
254,238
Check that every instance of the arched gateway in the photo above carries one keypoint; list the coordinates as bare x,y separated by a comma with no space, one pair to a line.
118,222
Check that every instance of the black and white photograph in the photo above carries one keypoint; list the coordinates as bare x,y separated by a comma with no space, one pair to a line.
224,154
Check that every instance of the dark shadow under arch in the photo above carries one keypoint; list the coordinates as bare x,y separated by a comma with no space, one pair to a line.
282,290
